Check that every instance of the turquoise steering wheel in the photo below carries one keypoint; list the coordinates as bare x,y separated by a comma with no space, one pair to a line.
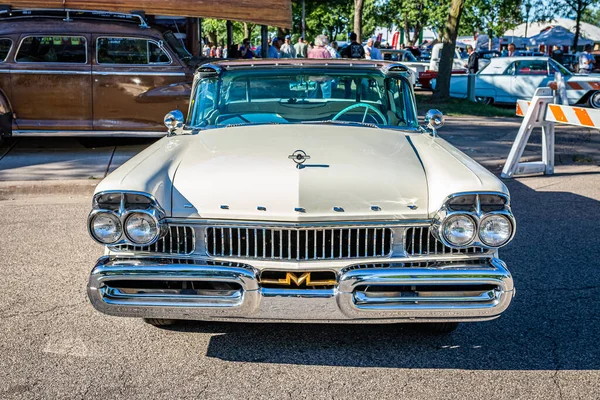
367,107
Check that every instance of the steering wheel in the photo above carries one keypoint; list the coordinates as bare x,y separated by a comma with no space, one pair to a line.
367,107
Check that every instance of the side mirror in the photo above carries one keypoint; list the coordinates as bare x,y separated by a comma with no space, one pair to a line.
434,120
174,120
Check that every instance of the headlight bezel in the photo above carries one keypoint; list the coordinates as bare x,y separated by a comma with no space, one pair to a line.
508,217
122,204
477,213
95,214
154,219
456,215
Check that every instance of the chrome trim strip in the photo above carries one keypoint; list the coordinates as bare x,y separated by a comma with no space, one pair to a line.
48,72
62,133
125,73
308,225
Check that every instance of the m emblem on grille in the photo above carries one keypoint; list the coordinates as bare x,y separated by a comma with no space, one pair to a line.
299,157
303,280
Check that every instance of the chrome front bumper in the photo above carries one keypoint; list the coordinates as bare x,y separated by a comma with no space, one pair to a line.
362,295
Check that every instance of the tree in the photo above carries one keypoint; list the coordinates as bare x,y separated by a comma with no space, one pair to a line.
494,17
413,16
358,19
442,87
591,16
577,9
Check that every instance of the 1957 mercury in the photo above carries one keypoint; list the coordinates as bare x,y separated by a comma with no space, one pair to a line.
302,190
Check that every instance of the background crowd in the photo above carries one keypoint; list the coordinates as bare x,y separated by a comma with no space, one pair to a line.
320,47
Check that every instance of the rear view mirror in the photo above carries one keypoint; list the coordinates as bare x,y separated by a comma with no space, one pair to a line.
174,120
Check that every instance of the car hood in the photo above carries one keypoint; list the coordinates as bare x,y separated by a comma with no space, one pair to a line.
230,173
353,173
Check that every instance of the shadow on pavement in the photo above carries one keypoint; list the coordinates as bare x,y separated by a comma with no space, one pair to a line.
552,323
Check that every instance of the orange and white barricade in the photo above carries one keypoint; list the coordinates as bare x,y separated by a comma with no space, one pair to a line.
540,112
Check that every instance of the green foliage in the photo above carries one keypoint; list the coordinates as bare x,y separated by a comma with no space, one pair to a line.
592,16
495,15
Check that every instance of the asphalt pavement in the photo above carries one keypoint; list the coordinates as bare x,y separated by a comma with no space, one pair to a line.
53,344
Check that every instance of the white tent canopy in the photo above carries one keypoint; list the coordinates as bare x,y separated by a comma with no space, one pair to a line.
557,36
588,31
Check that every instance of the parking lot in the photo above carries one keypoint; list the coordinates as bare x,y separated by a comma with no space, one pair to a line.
56,346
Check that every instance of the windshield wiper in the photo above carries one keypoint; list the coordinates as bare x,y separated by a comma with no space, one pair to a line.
251,124
348,123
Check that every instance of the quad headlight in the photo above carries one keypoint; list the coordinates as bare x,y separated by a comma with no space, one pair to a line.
459,230
141,228
495,230
106,227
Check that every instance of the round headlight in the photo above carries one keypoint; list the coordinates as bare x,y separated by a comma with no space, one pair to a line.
459,230
495,230
106,228
141,228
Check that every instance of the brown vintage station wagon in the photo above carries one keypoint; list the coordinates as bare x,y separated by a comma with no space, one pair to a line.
88,73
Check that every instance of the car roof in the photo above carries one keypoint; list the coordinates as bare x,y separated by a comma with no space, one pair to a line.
55,25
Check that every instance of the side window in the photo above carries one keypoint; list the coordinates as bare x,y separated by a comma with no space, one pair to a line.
113,50
532,67
5,45
53,49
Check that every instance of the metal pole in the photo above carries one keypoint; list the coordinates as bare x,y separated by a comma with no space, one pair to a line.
264,41
471,87
200,39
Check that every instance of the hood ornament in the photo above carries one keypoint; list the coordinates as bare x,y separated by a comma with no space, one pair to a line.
299,157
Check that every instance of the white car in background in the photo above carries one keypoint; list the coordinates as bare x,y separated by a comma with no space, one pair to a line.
506,79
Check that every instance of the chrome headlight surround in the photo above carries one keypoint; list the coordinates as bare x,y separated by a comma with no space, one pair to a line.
477,211
452,218
122,204
145,213
92,218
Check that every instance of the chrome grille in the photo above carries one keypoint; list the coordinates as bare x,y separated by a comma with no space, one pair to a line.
420,241
178,240
298,244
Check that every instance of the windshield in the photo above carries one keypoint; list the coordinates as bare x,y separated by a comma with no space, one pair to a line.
177,46
302,96
556,67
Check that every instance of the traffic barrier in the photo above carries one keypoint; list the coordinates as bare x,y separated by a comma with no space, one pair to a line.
540,112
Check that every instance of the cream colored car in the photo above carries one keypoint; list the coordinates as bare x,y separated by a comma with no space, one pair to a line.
302,191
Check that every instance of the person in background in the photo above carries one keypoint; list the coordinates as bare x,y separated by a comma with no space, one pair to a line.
331,49
274,48
511,50
375,52
557,55
206,50
287,50
586,60
319,51
368,48
246,49
354,49
301,48
336,47
473,62
213,51
219,52
225,52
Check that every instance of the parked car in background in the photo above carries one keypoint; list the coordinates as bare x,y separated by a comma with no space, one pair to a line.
505,80
302,193
92,73
407,58
486,55
458,65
